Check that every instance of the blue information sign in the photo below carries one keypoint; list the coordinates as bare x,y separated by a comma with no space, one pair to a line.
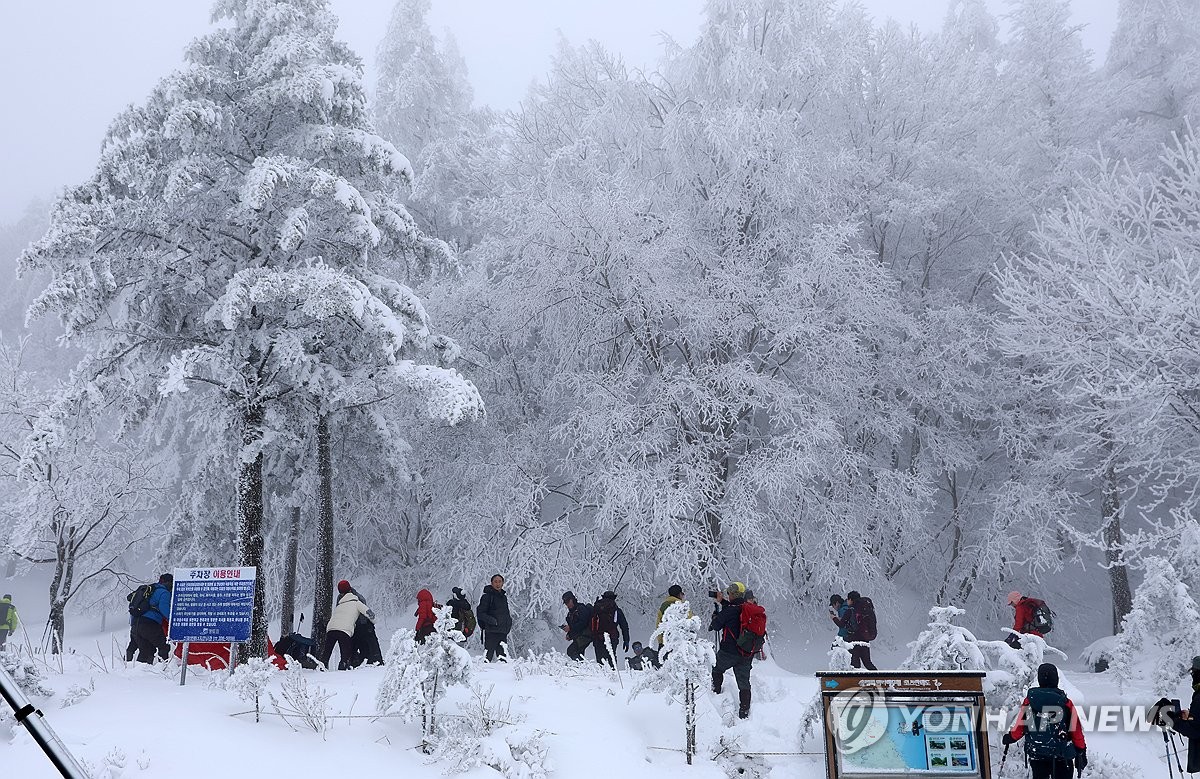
212,604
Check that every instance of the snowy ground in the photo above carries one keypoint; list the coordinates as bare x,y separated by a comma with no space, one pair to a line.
138,722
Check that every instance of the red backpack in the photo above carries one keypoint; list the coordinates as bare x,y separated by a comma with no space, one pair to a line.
753,633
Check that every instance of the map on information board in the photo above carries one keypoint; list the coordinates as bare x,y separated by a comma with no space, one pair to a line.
212,605
906,738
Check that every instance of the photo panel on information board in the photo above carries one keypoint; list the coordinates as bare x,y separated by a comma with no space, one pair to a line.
930,737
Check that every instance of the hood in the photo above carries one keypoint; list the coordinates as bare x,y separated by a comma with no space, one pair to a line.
346,597
489,588
5,600
424,598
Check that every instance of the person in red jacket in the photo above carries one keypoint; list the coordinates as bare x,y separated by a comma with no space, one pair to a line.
1023,611
425,615
1047,721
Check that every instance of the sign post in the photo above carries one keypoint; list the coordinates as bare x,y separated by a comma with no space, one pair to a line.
927,723
212,605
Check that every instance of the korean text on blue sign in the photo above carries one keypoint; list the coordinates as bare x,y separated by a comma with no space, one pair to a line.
212,604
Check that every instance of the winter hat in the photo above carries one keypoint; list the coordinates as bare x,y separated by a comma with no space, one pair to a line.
735,589
568,596
344,586
458,593
1014,598
1195,660
1048,675
9,597
609,594
675,591
748,594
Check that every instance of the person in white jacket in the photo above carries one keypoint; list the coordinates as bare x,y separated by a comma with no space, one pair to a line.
340,629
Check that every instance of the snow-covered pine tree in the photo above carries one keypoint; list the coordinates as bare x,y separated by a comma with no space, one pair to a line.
688,660
237,250
944,646
418,675
1163,628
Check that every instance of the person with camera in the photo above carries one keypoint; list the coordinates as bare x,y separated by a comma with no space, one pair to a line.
727,620
1047,721
1168,714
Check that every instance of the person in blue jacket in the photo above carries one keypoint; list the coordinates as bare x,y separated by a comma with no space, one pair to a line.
838,609
150,629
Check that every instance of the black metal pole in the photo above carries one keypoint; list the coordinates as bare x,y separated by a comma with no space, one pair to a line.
35,722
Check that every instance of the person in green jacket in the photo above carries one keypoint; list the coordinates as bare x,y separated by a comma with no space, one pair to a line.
8,619
674,595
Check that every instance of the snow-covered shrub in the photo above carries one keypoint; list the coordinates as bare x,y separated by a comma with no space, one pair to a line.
418,675
944,646
1011,672
250,679
310,706
77,693
1100,653
556,665
27,675
839,655
111,766
1164,627
492,735
688,660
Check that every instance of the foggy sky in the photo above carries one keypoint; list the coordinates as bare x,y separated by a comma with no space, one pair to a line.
70,65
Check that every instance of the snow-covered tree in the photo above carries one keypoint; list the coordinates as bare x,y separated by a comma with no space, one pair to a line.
250,679
418,675
237,251
688,660
944,646
1163,629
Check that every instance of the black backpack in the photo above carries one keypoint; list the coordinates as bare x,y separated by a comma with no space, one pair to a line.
604,616
1047,736
139,600
864,619
1043,618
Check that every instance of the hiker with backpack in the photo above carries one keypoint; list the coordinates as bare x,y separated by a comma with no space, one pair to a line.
608,626
425,615
342,624
1047,721
495,619
838,608
149,612
1030,616
859,623
8,619
742,624
460,609
578,627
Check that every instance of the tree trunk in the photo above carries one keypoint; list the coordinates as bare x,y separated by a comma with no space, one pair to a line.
250,532
1118,573
323,587
60,584
287,612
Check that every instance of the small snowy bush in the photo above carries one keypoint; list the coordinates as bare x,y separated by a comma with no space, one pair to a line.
77,693
491,735
1013,671
1164,626
839,655
418,675
944,646
27,675
250,680
310,706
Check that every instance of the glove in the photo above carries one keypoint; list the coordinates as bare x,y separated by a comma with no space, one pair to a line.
626,647
1081,760
1007,739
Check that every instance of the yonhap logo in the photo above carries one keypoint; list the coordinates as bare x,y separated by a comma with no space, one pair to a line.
860,720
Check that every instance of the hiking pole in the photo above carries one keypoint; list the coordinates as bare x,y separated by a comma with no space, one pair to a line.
43,735
1175,746
1003,757
1167,748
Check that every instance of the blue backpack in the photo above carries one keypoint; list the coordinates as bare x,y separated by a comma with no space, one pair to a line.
1047,732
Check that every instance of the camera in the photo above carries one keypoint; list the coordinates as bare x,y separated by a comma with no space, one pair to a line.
713,593
1165,712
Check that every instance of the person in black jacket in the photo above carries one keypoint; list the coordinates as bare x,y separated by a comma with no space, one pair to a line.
1188,723
494,618
727,619
578,627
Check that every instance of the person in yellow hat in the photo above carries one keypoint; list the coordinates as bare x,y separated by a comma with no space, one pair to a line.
727,620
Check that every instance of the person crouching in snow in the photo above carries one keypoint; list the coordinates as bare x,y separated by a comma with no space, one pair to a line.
339,631
1047,721
425,615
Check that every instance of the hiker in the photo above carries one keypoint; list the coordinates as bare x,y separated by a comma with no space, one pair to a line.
641,656
859,622
1187,724
1047,721
607,620
495,619
340,628
837,612
460,609
425,615
1030,615
150,609
578,626
8,619
726,618
364,644
674,595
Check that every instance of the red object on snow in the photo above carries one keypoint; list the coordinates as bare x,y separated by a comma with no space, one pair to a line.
215,657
